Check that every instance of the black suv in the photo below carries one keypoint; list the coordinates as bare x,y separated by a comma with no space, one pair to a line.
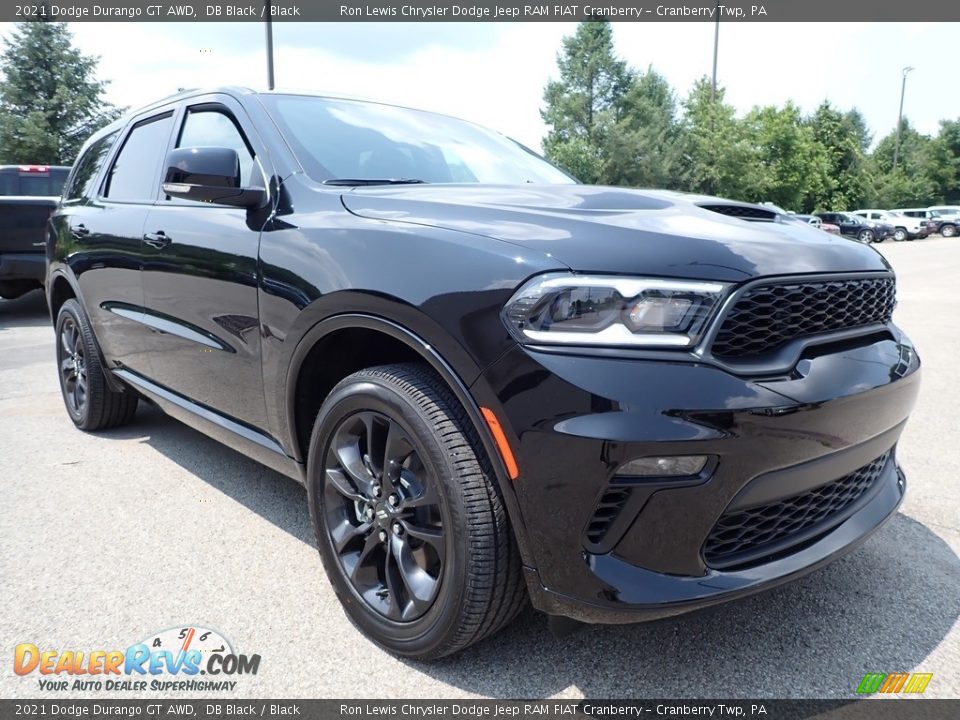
866,231
495,383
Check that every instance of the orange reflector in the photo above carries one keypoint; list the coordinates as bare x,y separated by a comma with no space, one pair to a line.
502,445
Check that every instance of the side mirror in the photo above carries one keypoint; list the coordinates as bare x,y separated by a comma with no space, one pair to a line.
208,174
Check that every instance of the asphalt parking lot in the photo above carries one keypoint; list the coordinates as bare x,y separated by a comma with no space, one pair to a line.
107,538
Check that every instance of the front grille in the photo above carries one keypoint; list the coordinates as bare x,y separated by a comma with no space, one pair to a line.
767,317
607,510
743,536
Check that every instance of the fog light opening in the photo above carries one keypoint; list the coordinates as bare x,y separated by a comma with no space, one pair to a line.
664,466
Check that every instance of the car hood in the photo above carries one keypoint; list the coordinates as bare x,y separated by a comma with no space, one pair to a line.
608,229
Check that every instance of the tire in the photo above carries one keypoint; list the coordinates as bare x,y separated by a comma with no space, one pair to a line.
866,236
90,402
458,578
900,234
948,230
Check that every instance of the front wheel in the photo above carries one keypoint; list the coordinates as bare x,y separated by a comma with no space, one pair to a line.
900,234
866,236
408,518
948,230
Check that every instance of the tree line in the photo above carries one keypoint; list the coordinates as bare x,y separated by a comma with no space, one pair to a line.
608,124
614,125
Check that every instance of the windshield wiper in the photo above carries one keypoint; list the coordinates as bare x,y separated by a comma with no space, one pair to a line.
373,181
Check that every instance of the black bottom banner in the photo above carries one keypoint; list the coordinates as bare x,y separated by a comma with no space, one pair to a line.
891,709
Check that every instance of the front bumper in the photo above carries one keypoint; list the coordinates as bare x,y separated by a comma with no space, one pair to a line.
574,419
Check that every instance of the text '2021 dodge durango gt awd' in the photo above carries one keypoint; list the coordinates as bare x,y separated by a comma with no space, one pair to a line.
495,383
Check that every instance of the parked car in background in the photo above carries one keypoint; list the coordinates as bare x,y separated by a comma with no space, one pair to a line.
28,196
817,222
495,383
905,227
854,226
923,213
946,225
946,219
952,210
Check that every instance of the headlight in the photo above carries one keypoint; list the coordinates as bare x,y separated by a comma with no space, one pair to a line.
567,309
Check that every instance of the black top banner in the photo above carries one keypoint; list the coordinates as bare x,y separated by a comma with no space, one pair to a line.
483,11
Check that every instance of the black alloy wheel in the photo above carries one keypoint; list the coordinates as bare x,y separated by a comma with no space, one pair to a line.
90,401
73,368
408,515
383,517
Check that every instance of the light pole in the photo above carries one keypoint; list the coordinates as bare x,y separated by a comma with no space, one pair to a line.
903,90
268,5
716,42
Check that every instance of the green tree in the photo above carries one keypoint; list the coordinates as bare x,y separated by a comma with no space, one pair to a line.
584,105
844,139
643,146
50,99
920,173
856,124
948,140
718,157
794,165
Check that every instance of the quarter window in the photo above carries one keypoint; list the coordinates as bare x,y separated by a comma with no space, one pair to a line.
135,174
87,168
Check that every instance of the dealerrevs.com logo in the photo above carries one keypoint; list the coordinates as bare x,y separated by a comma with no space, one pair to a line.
188,658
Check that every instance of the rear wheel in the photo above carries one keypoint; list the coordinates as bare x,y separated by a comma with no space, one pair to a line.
409,521
90,402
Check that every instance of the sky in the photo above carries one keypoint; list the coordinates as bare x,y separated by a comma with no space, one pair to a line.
494,73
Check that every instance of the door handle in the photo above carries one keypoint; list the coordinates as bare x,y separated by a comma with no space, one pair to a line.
159,239
79,231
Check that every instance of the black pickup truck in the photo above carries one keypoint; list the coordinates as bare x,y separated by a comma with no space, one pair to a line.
28,196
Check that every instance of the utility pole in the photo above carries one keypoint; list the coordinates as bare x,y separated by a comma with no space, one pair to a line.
716,42
903,90
268,6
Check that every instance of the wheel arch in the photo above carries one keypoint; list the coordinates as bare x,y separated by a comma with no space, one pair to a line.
410,346
62,287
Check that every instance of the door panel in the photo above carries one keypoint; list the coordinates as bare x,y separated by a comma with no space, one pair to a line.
107,268
100,229
200,286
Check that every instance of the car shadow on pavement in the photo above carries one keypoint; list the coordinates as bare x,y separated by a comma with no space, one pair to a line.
271,495
883,609
28,310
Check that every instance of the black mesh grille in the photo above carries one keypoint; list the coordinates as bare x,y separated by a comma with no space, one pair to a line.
610,505
768,316
743,534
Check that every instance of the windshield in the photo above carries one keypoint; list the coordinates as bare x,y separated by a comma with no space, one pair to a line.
350,140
